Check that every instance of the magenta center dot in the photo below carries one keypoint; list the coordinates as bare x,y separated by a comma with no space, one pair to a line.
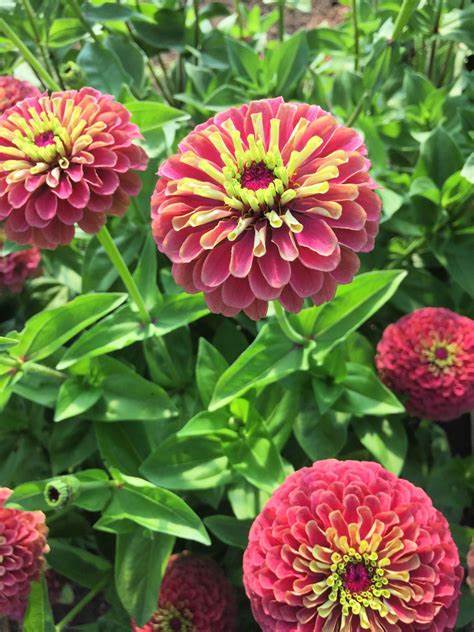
256,176
441,353
357,578
44,139
175,624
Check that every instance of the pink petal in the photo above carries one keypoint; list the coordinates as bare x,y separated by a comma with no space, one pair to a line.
64,188
316,235
290,300
80,195
18,195
242,255
216,266
260,287
104,157
183,275
354,239
327,291
237,293
305,281
46,204
311,259
276,271
347,268
283,239
370,202
217,305
257,310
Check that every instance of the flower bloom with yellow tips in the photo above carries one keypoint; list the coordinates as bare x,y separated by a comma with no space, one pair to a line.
427,357
66,160
268,201
345,546
13,90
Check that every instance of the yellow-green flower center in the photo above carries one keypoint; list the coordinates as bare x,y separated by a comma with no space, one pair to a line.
170,619
441,355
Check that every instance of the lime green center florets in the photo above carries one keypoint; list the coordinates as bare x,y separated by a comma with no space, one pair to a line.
170,619
441,355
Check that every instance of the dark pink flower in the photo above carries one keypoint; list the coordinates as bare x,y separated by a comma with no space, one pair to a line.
22,547
470,567
268,201
345,546
67,159
13,90
427,357
16,267
195,596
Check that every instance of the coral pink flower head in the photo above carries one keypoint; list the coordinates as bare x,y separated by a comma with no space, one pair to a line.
195,596
268,201
345,546
13,90
427,357
22,547
67,159
16,267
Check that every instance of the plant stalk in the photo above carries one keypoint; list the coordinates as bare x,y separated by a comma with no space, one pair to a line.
42,49
286,326
197,31
434,43
28,56
76,9
355,23
116,258
72,614
281,19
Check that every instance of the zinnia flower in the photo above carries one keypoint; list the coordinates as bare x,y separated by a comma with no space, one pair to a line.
427,357
268,201
195,596
66,160
470,567
22,546
345,546
13,90
16,267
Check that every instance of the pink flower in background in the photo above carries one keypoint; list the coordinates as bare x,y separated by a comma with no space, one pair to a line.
470,567
195,596
13,90
22,547
67,159
16,267
347,546
427,357
268,201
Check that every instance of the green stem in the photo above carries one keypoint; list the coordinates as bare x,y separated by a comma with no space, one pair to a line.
434,43
72,614
115,257
33,23
76,9
28,56
166,78
196,24
359,107
240,20
281,19
286,326
355,23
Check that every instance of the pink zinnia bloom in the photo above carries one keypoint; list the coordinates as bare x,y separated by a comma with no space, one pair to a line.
22,547
427,357
268,201
470,567
16,267
195,596
345,546
13,90
67,159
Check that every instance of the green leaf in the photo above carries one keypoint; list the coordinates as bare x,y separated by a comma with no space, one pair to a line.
123,445
166,31
145,274
229,530
210,365
140,563
365,394
119,330
385,439
75,397
290,60
102,68
71,443
130,55
244,61
406,11
106,12
39,616
440,156
49,330
139,502
126,395
78,565
458,26
269,358
178,310
353,304
457,251
321,436
151,115
65,31
468,169
194,462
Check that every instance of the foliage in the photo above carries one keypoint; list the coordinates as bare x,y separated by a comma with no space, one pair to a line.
177,430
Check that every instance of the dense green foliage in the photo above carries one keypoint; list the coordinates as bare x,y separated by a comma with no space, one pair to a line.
196,418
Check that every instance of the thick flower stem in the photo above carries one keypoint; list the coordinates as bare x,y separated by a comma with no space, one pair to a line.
286,326
355,23
28,56
115,257
72,614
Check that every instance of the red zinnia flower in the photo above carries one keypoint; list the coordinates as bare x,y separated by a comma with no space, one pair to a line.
345,546
66,159
22,546
16,267
268,201
428,358
13,90
195,596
